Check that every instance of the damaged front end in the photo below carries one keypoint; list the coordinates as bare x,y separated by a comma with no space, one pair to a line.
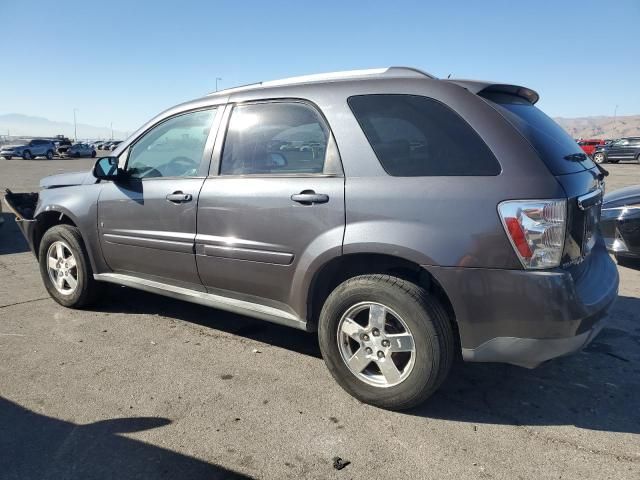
23,206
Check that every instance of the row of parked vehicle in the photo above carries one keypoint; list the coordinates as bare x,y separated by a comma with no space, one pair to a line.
59,146
611,151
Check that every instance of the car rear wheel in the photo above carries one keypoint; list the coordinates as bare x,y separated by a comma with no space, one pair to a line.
65,267
638,158
49,155
93,154
600,158
8,158
26,155
385,341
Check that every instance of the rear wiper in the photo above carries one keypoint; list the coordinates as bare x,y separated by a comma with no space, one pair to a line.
580,157
576,157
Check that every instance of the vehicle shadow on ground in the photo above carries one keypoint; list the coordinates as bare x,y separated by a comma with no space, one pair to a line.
35,446
127,300
594,389
11,239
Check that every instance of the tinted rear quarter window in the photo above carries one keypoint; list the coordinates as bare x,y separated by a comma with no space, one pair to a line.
415,136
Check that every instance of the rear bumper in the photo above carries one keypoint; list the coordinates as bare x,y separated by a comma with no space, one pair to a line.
529,352
527,317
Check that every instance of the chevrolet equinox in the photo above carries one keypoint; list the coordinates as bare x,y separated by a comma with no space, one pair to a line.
404,218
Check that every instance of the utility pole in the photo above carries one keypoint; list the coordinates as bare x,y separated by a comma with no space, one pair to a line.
615,117
111,130
75,126
217,78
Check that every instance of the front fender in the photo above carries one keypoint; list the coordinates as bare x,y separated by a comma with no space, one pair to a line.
80,205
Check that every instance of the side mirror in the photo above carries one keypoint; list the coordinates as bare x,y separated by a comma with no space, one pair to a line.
106,168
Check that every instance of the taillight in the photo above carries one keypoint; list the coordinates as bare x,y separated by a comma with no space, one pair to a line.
536,229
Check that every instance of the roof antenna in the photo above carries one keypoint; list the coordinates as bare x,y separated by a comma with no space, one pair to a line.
448,76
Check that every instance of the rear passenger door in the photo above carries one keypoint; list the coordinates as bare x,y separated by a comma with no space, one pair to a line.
272,204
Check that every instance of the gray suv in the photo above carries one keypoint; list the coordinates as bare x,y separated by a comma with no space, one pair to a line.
405,219
32,149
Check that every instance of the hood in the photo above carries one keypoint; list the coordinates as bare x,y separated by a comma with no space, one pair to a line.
67,180
624,196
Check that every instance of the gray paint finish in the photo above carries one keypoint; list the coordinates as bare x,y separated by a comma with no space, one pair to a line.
244,239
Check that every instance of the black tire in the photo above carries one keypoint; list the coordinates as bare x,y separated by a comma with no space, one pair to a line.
638,158
599,157
86,289
93,154
26,155
427,321
8,158
49,154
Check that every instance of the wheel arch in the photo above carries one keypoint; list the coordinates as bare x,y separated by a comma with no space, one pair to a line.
341,268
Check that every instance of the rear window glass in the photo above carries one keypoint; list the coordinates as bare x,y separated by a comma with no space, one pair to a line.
554,145
415,136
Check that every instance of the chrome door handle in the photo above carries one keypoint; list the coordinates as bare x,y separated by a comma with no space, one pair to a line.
309,197
179,197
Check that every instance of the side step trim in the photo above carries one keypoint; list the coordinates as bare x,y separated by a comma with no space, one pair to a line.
242,307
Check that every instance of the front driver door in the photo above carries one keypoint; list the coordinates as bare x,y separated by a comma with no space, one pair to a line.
275,206
147,220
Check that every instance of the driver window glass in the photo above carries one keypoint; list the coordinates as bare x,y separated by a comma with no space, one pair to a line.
172,149
274,138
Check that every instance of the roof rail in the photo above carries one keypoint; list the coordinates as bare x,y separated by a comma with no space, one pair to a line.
407,72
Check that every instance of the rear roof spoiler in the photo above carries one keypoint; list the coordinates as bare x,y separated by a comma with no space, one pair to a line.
479,87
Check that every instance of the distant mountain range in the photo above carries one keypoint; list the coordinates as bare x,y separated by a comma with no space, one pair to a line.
24,125
601,127
16,125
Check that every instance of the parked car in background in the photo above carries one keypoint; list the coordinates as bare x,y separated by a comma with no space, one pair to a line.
81,150
114,145
32,149
96,145
105,145
62,144
417,219
627,148
588,146
620,224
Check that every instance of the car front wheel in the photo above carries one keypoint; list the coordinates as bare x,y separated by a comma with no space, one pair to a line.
65,267
49,155
600,158
386,341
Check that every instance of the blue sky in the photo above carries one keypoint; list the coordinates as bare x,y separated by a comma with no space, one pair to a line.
124,61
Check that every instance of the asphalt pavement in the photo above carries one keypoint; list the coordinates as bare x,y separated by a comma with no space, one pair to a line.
142,386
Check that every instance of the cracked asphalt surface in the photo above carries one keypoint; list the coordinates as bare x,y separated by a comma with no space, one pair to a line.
142,386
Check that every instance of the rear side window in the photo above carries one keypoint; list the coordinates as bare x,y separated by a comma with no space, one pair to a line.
415,136
554,145
274,138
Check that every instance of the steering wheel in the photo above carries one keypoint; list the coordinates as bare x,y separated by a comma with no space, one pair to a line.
180,166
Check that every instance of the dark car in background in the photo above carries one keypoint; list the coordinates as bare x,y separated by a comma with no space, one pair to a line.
589,145
404,218
80,150
620,224
627,148
114,145
34,148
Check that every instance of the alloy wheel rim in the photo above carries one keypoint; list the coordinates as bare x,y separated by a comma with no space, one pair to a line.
376,344
62,267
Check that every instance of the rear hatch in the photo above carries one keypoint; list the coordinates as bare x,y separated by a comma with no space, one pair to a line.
580,177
